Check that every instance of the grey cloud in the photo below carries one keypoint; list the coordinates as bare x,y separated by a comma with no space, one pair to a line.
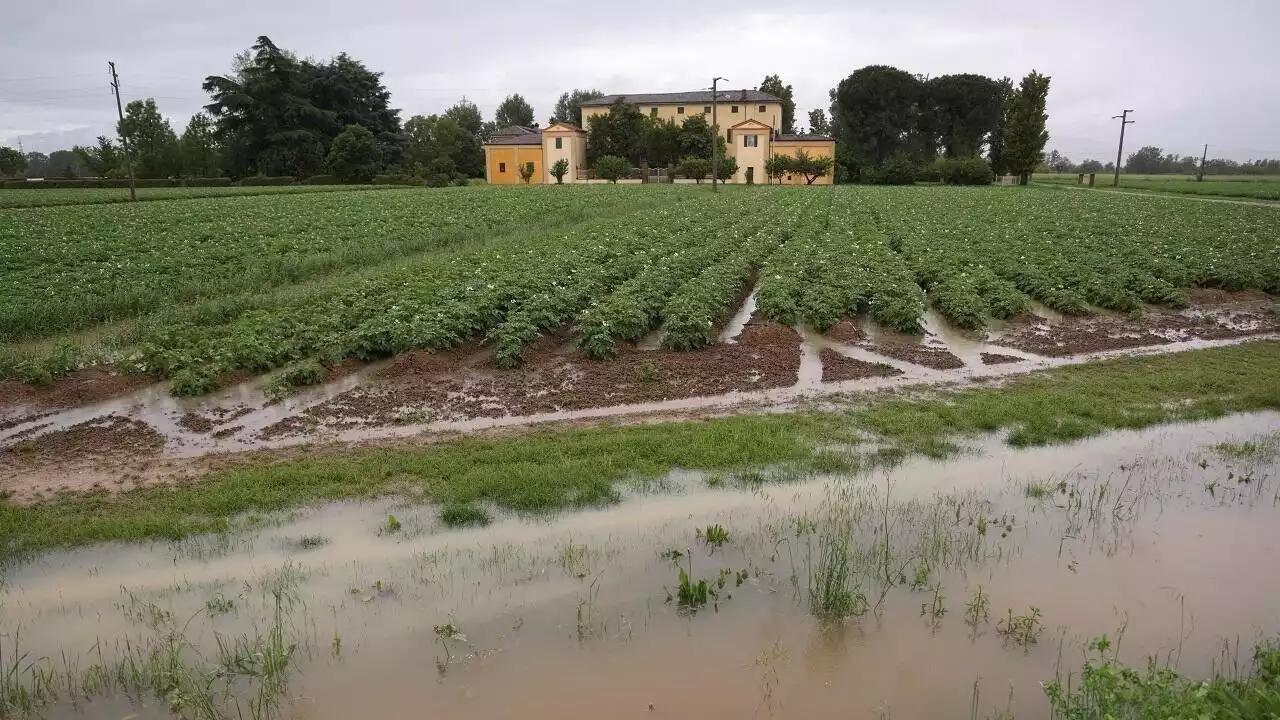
1195,72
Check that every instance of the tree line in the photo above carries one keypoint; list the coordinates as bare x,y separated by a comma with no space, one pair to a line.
1152,160
276,114
894,126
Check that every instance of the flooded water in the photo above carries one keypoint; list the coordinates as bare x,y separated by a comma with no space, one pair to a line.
1165,535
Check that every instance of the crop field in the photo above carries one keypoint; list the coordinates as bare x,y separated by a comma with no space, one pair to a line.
44,197
1252,187
204,287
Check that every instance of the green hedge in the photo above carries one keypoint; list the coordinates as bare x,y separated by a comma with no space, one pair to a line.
396,180
324,180
267,180
207,182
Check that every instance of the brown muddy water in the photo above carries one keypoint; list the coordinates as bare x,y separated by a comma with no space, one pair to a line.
1167,537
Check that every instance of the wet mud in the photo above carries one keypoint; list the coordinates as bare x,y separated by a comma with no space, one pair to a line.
755,365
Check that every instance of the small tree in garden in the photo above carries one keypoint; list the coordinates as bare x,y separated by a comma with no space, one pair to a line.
526,173
726,167
694,168
559,169
612,168
810,167
777,166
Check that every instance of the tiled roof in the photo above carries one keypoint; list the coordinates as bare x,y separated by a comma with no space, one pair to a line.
815,138
696,96
516,135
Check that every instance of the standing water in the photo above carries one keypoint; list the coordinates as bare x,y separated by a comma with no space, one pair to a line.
915,589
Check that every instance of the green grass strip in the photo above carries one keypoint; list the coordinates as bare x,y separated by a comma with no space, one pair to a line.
557,468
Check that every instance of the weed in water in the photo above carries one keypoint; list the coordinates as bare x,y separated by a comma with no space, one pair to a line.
219,605
673,555
978,609
390,527
714,536
834,594
310,542
1022,630
307,372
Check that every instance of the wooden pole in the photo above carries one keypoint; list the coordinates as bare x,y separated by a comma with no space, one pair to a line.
1203,158
124,142
1124,120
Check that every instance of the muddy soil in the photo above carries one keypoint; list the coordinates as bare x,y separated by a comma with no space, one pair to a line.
82,387
998,359
463,383
837,367
1236,315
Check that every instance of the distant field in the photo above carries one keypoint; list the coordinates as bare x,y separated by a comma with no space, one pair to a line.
1255,187
92,196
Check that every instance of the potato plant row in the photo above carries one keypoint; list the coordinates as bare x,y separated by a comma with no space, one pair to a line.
210,286
983,254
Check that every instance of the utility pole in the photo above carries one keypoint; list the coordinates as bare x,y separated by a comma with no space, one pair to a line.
715,135
1203,158
1124,120
124,142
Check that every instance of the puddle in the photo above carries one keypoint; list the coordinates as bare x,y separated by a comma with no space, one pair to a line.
652,341
528,617
739,320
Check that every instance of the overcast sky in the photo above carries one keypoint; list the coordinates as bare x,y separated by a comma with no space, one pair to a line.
1195,71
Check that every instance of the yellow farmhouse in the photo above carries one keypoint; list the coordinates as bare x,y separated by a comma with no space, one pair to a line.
747,119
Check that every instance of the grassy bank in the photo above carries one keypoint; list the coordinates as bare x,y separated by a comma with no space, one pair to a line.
559,468
1264,187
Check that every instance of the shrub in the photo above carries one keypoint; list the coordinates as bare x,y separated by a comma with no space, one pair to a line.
439,180
206,182
353,155
612,167
726,168
964,171
694,168
895,171
257,180
324,180
395,179
559,169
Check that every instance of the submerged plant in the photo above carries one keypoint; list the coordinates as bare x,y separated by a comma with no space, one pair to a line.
1022,630
714,536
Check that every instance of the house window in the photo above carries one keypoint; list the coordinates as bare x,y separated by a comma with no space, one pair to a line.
653,111
733,109
761,108
502,167
706,108
559,143
679,109
749,140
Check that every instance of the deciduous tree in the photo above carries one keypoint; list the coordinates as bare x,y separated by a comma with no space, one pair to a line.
773,85
695,137
569,107
619,132
151,139
811,167
514,110
818,123
12,162
353,155
612,168
694,168
199,147
103,159
1025,134
961,112
776,167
